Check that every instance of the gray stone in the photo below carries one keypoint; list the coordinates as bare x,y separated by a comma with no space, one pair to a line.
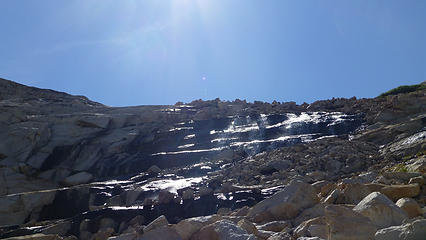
411,231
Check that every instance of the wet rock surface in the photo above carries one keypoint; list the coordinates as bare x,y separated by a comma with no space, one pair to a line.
71,168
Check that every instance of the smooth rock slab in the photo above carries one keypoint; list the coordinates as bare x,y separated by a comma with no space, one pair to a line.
285,204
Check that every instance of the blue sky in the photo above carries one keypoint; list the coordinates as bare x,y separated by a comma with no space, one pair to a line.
136,52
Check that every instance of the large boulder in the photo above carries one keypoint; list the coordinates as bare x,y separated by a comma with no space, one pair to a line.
345,224
380,210
187,227
415,230
285,204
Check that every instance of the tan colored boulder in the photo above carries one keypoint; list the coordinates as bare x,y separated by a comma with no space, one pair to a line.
285,204
380,210
410,206
346,224
395,192
187,227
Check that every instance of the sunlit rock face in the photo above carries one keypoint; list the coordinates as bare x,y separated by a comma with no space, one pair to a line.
188,141
54,135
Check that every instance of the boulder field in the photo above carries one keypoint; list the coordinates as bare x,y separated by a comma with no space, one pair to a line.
71,168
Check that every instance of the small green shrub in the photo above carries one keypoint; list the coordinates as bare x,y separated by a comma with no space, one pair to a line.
404,89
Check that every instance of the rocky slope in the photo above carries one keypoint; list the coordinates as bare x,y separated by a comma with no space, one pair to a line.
71,168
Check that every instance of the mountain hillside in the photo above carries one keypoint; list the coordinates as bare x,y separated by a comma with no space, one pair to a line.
72,168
